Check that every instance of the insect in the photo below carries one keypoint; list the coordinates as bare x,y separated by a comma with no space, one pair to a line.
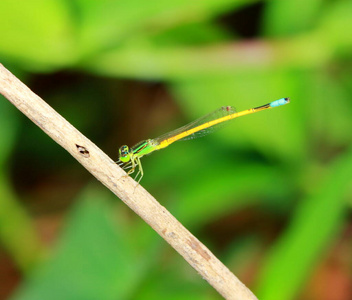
130,158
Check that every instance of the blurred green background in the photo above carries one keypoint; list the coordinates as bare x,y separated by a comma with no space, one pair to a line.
270,194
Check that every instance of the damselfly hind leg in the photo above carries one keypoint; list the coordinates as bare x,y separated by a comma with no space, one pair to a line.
140,170
131,166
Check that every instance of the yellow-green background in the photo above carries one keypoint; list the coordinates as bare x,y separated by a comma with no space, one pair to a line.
269,194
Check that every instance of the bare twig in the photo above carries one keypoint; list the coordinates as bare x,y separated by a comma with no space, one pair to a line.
114,178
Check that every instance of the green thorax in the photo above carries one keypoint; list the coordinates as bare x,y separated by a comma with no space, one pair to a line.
143,148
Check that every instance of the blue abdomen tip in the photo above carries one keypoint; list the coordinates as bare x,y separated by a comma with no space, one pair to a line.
280,102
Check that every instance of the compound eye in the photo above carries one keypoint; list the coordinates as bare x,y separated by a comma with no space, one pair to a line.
124,150
124,153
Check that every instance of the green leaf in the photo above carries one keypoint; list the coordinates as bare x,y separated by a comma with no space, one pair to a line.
335,27
98,256
142,59
281,17
38,34
105,23
17,232
315,225
227,189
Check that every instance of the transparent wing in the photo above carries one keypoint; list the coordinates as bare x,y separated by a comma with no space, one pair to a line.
217,114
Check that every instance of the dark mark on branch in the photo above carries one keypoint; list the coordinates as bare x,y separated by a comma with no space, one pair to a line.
83,151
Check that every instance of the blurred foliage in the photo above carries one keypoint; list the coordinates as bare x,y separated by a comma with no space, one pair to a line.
270,195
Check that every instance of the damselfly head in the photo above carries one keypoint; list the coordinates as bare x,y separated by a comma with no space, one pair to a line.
124,154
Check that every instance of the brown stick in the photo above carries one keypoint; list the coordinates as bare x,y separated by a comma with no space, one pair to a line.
114,178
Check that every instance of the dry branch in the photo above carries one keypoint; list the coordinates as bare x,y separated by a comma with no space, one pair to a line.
114,178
